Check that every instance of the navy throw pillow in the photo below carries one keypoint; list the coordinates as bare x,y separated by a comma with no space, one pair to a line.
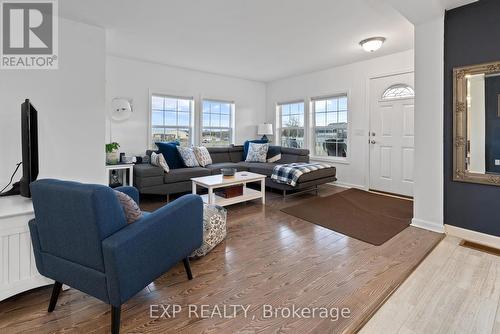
171,154
273,151
247,143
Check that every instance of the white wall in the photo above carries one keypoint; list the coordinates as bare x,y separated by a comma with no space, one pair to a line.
352,79
70,103
429,72
134,79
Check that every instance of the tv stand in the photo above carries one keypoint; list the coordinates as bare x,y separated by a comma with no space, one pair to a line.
16,190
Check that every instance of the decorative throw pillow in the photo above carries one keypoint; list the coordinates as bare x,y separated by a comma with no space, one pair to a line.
202,155
188,156
170,153
273,153
130,207
257,152
247,143
159,161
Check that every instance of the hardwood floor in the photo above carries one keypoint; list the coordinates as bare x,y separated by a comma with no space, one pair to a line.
455,290
268,257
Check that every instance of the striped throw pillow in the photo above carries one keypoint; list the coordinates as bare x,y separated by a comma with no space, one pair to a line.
158,160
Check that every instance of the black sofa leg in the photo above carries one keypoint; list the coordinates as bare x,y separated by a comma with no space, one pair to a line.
187,266
56,289
115,319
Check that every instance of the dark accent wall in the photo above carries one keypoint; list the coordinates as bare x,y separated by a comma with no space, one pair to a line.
472,36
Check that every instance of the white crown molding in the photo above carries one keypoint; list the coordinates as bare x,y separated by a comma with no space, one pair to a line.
477,237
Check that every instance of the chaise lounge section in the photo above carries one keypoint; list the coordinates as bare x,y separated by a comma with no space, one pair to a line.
150,179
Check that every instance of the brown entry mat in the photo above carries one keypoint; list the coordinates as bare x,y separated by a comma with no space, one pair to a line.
359,214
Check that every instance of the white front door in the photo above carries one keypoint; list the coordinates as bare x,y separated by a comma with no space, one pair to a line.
391,134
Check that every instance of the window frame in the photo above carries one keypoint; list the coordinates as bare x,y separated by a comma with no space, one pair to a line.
232,113
279,118
402,97
313,127
192,108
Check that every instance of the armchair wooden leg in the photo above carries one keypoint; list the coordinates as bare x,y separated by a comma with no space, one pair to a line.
187,266
115,319
56,289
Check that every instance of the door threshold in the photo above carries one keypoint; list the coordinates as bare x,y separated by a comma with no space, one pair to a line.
385,193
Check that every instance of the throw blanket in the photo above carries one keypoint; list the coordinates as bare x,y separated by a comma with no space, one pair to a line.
290,173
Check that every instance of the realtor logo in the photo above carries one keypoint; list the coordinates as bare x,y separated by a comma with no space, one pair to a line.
29,34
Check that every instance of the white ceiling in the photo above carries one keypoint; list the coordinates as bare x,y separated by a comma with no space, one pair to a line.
255,39
418,11
261,40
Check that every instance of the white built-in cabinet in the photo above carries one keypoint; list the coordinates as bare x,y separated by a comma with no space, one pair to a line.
18,271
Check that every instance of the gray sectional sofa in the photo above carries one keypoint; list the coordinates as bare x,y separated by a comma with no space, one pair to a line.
153,180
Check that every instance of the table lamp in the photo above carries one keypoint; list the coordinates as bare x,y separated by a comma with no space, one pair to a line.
264,130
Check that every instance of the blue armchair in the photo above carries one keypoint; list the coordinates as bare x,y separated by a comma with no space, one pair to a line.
81,238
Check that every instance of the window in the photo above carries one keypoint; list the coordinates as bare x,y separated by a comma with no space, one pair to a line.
291,120
398,91
217,123
171,118
330,126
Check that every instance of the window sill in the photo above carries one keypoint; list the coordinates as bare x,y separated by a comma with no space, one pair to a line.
343,161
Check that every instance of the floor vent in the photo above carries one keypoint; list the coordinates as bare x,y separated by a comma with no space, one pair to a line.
479,247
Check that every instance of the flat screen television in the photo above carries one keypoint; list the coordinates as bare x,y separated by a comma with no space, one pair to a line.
29,144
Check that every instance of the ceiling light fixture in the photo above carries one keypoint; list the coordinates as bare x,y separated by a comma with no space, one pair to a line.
372,44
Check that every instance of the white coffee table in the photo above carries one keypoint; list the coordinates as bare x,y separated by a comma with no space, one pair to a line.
218,181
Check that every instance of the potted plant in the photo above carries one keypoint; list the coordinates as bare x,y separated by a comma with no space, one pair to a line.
112,155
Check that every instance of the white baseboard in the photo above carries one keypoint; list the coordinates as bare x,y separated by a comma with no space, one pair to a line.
477,237
347,185
427,225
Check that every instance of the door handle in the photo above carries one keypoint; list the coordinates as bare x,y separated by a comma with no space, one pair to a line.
372,141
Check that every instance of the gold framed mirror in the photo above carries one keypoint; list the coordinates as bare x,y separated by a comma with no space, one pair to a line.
476,124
